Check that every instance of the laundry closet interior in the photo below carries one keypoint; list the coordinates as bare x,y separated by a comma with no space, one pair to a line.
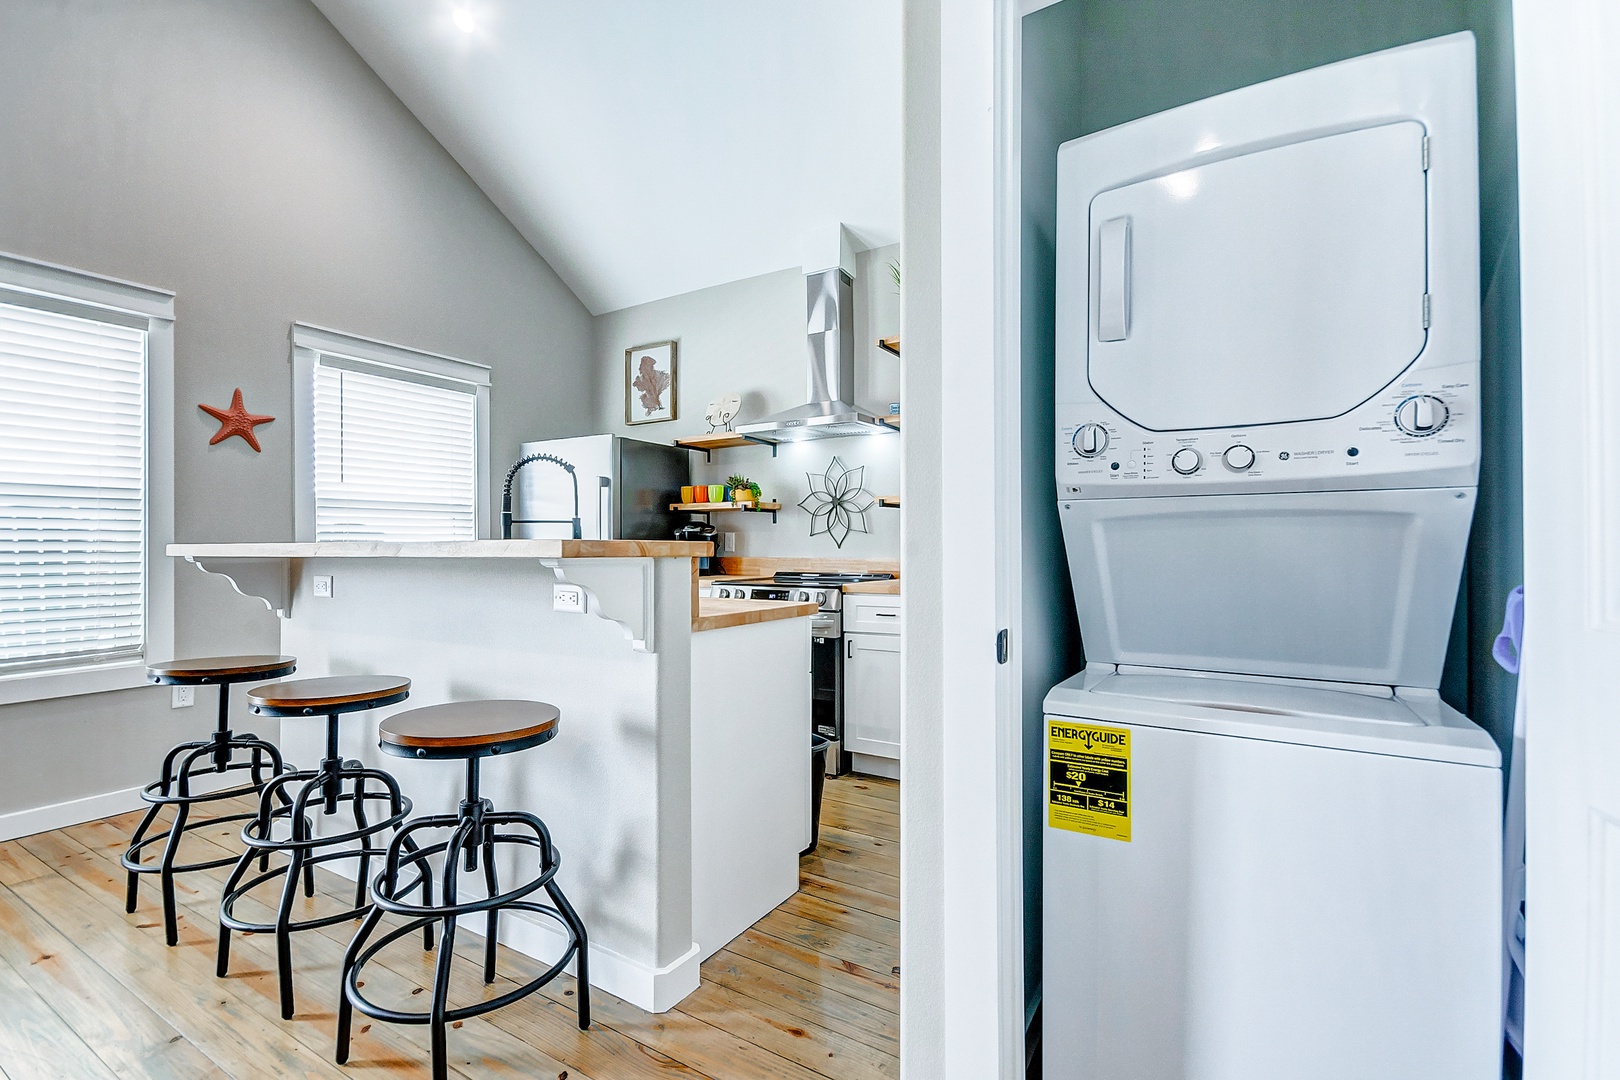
1093,65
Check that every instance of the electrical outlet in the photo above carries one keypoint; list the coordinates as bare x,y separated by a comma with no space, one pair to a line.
182,697
568,598
323,585
730,542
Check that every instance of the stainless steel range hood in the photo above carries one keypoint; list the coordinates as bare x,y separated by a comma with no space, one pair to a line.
831,326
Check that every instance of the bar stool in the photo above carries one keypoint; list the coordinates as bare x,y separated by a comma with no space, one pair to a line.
287,828
197,759
468,731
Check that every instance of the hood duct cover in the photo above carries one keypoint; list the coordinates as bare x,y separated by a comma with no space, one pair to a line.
830,323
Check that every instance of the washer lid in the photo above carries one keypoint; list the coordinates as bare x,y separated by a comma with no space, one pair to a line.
1376,720
1280,285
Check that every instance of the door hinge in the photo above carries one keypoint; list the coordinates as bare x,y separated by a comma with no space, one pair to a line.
1425,311
1002,644
1425,153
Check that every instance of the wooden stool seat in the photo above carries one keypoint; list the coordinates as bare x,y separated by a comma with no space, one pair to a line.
207,670
328,696
464,729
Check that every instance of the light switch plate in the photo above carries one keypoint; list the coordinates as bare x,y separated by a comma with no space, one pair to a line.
570,598
323,585
730,542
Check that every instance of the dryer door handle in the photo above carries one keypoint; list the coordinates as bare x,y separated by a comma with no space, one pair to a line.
1114,280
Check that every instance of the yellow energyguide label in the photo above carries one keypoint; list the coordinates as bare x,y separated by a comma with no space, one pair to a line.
1088,787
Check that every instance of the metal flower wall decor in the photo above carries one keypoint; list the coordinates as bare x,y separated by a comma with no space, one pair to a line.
838,502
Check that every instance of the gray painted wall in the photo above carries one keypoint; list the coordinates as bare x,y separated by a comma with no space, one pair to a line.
239,153
749,336
1093,64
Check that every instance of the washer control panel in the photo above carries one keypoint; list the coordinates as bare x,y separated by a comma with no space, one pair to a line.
1423,428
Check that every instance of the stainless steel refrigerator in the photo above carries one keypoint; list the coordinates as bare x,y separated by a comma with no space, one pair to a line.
623,489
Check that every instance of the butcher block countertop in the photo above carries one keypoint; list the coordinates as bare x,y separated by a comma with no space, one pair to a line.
451,549
875,588
713,614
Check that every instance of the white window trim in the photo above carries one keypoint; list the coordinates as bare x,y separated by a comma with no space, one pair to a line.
307,342
157,307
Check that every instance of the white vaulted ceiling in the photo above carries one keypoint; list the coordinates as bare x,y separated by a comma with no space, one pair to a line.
651,147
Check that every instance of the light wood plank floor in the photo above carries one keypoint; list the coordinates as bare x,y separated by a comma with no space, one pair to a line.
811,992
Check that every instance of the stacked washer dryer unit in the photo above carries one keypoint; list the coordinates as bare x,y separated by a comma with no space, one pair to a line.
1271,851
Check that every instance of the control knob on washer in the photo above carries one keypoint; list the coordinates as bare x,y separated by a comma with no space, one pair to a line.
1090,440
1421,415
1238,458
1186,461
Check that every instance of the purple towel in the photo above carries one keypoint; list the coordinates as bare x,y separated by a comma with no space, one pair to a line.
1506,648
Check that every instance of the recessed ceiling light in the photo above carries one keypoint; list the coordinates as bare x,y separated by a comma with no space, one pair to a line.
463,18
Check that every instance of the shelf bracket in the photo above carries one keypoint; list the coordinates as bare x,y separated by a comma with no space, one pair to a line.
615,594
266,580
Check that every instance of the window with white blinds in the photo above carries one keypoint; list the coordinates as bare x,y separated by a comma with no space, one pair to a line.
73,486
396,453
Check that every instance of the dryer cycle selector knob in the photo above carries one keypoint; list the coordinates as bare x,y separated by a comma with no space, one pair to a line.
1186,461
1238,458
1421,415
1090,440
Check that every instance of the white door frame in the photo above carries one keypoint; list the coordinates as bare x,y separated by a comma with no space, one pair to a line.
1568,102
962,992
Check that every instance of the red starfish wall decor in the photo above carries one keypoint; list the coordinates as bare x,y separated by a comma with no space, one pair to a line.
235,421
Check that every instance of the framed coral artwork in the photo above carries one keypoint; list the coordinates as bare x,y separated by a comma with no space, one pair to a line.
649,383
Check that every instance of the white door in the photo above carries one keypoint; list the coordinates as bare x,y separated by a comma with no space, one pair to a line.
1569,191
872,694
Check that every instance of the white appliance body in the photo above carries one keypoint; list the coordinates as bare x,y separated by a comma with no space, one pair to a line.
1304,894
1267,453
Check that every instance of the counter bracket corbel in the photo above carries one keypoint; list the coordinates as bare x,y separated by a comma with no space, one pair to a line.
626,599
267,580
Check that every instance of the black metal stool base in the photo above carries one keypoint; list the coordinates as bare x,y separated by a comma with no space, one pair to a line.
335,782
212,757
478,832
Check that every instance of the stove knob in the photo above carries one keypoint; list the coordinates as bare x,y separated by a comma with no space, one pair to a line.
1238,458
804,597
1186,461
722,592
821,598
1421,415
1090,440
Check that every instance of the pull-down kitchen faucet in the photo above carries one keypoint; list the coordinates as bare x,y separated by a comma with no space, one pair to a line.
506,497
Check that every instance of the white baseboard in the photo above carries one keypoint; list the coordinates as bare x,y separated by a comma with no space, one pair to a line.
60,815
655,990
872,765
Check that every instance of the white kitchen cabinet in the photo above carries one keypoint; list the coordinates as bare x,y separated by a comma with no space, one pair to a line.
872,686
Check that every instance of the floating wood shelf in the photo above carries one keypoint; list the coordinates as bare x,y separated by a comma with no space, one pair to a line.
722,440
889,500
889,344
715,507
892,420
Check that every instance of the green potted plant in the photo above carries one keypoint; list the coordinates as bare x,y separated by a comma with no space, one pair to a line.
743,490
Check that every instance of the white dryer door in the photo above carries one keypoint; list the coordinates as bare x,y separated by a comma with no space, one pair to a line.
1282,285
